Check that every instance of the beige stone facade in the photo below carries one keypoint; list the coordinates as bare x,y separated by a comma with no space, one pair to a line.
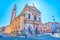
23,22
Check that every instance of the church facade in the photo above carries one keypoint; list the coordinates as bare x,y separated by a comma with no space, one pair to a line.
28,21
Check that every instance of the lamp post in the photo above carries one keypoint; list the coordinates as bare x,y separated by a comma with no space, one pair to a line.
53,25
53,18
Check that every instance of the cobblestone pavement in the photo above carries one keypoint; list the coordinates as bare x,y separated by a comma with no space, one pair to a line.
40,37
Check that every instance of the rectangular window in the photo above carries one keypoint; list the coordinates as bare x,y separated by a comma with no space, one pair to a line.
39,19
29,16
34,17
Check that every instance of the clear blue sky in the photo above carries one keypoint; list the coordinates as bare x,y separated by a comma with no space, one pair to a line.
47,8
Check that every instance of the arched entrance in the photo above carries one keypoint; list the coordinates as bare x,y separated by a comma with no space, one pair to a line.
36,31
30,30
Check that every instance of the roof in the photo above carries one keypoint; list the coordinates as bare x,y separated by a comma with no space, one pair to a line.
32,8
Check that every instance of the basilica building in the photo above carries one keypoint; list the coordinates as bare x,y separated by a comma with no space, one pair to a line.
29,21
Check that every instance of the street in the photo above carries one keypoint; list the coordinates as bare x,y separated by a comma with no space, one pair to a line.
40,37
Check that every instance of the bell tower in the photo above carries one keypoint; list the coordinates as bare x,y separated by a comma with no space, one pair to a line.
13,16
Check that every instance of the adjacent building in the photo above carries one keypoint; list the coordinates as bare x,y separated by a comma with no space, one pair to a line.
51,26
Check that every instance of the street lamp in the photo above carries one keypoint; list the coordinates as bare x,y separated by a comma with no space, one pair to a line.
53,25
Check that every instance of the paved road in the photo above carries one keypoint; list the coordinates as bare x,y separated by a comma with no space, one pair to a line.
40,37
